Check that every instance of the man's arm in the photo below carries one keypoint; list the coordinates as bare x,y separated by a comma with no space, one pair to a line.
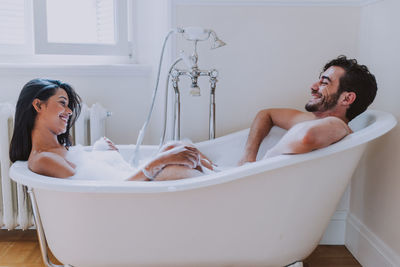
310,135
262,124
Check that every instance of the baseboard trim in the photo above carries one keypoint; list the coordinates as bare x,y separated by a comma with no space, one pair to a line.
366,247
336,230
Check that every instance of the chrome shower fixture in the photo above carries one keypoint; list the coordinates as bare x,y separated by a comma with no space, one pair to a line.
200,34
194,34
197,34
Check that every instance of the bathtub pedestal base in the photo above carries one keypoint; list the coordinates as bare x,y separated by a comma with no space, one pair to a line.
40,231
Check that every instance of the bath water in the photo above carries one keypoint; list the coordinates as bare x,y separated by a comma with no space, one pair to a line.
99,163
103,164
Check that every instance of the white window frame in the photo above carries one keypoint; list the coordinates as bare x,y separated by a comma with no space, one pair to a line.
27,47
121,47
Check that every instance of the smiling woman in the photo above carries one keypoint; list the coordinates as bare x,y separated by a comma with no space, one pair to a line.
46,111
36,97
53,116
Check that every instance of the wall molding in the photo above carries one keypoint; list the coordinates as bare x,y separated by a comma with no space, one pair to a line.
366,247
336,230
132,70
350,3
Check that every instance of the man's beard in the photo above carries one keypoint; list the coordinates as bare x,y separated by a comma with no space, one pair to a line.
325,104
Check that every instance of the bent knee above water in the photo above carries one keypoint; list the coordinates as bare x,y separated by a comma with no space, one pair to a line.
175,172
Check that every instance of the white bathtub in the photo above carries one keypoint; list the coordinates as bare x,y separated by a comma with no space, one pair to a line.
271,213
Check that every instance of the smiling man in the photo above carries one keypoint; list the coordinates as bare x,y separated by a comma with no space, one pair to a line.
344,90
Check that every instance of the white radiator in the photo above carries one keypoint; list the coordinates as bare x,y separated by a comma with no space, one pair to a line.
15,211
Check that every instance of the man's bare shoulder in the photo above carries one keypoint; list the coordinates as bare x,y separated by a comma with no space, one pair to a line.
329,128
334,122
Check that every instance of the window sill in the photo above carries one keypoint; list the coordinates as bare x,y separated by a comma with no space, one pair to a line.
47,70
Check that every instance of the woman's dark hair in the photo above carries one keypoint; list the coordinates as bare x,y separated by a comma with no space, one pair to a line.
25,115
357,79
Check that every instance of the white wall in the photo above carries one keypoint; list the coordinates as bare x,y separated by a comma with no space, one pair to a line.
273,55
375,195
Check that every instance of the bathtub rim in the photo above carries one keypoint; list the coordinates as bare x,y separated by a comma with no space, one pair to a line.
20,173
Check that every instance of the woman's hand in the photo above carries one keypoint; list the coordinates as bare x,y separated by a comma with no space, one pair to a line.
179,155
111,145
172,155
104,144
203,160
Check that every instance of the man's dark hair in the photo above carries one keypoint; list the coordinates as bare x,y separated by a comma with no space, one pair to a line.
357,79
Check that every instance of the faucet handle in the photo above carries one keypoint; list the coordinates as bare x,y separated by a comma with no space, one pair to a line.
213,73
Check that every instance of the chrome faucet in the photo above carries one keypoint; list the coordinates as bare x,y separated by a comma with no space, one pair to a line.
193,72
194,34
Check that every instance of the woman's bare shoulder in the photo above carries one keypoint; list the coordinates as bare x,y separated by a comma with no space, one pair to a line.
50,164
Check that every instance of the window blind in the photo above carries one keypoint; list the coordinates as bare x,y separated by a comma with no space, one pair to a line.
12,22
80,22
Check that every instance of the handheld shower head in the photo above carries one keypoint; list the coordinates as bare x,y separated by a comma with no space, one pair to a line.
217,42
200,34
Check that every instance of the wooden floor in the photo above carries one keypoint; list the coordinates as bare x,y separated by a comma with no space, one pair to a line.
331,256
21,249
